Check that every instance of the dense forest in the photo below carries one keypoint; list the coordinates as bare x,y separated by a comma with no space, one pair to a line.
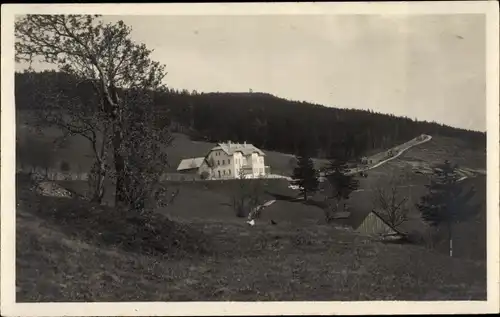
267,121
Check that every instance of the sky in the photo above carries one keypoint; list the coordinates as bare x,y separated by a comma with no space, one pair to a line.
426,67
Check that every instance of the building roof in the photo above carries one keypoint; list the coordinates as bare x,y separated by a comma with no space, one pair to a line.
358,212
231,148
190,163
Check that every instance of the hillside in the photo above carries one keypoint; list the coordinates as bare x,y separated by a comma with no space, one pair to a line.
37,149
63,255
211,201
197,249
415,165
269,122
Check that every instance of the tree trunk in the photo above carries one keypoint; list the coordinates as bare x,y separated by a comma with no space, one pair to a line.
114,109
99,189
450,239
122,181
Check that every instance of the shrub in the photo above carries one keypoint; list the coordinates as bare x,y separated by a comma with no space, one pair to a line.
148,234
65,167
246,196
204,175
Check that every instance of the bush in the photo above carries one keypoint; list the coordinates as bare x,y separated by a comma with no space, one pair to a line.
148,234
204,175
246,196
65,167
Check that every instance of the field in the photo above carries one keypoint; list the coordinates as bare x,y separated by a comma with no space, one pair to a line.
77,151
64,256
70,250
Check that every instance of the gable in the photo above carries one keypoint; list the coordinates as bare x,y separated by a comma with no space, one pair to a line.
373,224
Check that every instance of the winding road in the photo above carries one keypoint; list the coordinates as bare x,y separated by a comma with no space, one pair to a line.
251,219
427,138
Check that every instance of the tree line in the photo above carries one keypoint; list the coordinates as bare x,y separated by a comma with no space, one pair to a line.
109,91
267,121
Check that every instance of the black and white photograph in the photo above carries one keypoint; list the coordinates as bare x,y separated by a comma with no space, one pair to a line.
197,157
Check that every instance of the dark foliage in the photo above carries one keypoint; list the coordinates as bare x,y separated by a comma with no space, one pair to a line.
446,201
65,167
274,123
342,183
151,234
305,176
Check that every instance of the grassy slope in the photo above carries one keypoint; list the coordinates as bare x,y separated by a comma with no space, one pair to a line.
211,200
440,148
282,262
298,259
470,238
78,154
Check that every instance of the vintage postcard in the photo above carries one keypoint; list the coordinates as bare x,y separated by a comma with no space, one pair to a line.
250,159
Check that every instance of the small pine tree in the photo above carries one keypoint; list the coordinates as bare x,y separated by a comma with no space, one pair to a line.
342,184
446,203
305,176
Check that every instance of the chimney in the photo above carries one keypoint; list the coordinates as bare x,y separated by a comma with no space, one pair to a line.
229,144
244,143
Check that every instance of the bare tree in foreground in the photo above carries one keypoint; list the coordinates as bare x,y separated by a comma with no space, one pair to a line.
247,195
122,77
391,202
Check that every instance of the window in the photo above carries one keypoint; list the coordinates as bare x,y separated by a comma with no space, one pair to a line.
223,162
224,172
219,174
218,162
229,172
229,161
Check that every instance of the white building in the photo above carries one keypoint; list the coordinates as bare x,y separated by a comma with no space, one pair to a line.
230,160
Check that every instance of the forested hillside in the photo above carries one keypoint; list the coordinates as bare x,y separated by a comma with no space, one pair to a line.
267,121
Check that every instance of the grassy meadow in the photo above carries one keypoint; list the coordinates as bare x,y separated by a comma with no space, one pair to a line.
71,250
76,151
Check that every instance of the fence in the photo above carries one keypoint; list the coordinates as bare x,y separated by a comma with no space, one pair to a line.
53,174
57,175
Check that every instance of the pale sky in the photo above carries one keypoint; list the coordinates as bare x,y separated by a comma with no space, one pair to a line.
429,67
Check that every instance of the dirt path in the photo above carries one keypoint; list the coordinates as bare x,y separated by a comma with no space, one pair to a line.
357,170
